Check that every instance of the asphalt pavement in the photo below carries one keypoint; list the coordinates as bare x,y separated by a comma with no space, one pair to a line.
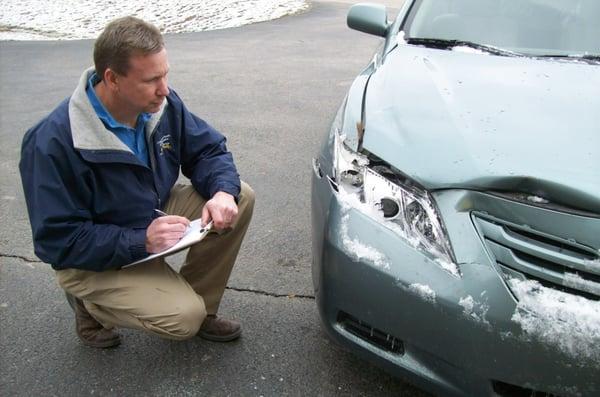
272,88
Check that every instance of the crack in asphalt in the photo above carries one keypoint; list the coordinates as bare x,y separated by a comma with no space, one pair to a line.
23,258
266,293
254,291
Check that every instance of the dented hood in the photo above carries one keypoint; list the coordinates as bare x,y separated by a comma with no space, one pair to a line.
461,119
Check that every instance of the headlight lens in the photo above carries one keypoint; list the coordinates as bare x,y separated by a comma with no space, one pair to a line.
388,198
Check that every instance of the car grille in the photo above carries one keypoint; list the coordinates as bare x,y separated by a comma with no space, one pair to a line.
555,262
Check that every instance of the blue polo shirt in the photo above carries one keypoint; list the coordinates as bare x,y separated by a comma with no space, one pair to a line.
134,138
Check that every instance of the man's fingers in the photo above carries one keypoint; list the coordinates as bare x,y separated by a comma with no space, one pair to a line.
222,209
164,232
205,216
172,223
176,235
165,237
230,215
173,219
217,218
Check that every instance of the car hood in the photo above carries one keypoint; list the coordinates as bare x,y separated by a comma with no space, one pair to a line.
462,119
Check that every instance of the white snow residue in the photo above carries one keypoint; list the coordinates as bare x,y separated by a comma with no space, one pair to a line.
563,390
362,251
467,304
474,310
575,281
570,322
81,19
424,291
468,50
349,200
401,37
537,199
591,265
450,267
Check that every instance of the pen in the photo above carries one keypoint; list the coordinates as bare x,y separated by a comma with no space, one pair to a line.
159,212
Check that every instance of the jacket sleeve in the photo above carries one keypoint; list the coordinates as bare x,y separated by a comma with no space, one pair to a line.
205,158
59,205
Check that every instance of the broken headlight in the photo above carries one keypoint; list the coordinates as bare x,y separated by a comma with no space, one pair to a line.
391,199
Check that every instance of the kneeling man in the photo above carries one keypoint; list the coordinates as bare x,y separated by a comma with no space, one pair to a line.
97,172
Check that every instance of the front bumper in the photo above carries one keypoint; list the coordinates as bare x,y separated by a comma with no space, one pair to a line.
398,307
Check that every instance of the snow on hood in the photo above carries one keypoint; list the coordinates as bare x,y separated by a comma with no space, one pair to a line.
469,120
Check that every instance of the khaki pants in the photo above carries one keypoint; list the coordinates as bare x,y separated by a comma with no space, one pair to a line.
152,296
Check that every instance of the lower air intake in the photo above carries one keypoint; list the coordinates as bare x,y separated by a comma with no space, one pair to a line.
369,334
507,390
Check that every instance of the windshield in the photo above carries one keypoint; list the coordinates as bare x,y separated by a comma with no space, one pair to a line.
533,27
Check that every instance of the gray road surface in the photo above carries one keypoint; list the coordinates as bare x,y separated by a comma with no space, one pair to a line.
272,88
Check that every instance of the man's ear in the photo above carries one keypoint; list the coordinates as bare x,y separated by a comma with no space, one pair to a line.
111,79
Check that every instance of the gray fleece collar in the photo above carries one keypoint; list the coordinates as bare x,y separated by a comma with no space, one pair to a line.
87,130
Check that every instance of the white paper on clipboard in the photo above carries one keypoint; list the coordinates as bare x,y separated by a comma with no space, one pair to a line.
194,234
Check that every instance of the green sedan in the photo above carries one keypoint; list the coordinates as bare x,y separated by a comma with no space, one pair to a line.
456,198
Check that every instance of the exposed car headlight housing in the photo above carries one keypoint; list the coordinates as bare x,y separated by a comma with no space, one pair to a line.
390,199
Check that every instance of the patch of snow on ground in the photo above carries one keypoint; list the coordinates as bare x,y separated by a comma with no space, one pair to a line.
84,19
424,291
570,322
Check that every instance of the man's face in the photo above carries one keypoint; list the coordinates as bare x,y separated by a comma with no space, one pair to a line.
144,87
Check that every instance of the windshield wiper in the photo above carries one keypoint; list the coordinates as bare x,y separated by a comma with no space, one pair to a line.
445,44
576,57
591,57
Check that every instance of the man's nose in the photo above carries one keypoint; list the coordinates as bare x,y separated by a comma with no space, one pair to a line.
163,88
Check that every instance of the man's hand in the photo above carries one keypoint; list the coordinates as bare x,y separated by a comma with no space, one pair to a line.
165,232
222,209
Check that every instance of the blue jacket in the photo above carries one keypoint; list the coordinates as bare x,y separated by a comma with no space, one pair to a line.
90,199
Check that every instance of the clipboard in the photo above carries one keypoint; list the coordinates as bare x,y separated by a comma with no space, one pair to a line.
194,234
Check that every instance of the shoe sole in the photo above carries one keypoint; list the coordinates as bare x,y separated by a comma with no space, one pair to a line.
104,345
220,338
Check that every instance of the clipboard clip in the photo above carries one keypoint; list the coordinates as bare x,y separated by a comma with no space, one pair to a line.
207,228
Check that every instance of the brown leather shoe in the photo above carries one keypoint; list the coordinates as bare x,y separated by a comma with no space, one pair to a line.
91,332
218,329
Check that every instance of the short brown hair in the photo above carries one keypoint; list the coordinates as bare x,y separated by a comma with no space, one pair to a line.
123,38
